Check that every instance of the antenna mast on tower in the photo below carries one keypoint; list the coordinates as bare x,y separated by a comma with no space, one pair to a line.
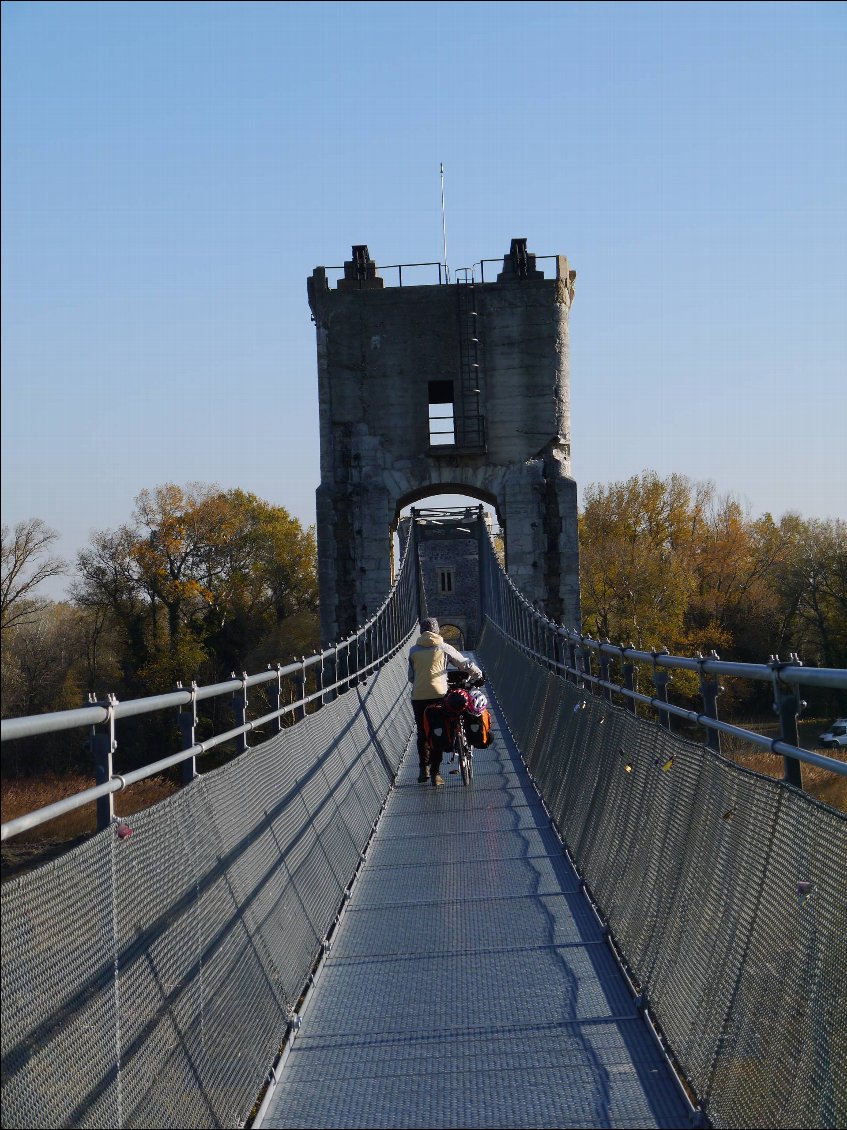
444,226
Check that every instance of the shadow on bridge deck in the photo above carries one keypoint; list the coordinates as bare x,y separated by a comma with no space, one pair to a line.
469,983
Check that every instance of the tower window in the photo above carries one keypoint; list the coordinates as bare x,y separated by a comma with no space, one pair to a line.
442,422
445,580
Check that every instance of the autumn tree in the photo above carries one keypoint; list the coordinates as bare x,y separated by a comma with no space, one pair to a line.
671,562
637,550
196,579
811,589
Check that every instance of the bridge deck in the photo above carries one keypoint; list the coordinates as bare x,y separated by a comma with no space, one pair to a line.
469,984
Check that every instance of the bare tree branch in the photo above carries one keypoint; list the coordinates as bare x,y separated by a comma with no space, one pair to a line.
27,561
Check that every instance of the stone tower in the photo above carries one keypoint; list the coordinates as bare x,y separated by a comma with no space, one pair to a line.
459,388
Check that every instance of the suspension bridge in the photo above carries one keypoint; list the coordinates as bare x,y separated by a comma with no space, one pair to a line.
613,926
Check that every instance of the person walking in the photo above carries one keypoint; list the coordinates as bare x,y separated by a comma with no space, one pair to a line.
428,660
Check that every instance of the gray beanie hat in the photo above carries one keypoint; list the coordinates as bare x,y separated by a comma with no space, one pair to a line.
429,625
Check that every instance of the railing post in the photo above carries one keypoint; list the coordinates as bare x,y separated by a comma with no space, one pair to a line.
187,722
416,562
710,688
572,674
628,668
332,668
549,643
367,654
605,668
239,710
275,695
660,682
586,661
300,680
103,745
788,705
559,650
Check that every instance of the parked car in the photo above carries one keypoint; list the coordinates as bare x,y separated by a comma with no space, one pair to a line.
836,735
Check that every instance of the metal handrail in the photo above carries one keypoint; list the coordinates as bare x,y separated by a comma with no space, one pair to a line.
526,623
442,270
772,745
499,260
443,273
12,729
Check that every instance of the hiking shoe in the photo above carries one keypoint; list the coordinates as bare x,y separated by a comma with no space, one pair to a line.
423,776
438,780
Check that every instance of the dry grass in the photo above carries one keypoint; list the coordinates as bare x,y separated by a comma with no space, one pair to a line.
820,783
31,849
19,796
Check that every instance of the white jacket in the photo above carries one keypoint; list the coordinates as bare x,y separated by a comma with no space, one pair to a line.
428,660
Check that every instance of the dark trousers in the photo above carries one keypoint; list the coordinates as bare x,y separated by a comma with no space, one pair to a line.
425,756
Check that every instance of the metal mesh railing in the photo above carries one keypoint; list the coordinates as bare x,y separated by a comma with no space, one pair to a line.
724,891
149,981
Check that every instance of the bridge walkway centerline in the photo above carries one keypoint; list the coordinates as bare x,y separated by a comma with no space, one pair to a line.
469,983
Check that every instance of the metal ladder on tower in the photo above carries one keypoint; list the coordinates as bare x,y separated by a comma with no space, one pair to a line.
470,422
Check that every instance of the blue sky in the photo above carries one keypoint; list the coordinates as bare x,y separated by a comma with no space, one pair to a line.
173,172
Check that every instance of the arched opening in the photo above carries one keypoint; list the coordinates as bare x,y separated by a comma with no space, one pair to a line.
448,537
442,496
453,635
449,495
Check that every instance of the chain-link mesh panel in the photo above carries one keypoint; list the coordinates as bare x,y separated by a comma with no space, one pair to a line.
701,869
148,981
59,993
387,711
783,1060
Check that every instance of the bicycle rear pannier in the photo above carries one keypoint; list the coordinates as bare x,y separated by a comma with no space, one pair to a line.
438,728
478,730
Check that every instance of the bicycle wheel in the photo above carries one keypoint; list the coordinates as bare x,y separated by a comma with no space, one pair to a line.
464,759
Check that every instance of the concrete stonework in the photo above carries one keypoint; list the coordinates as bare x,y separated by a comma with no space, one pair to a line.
378,350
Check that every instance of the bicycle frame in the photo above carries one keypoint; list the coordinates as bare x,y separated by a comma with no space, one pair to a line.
463,751
461,748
